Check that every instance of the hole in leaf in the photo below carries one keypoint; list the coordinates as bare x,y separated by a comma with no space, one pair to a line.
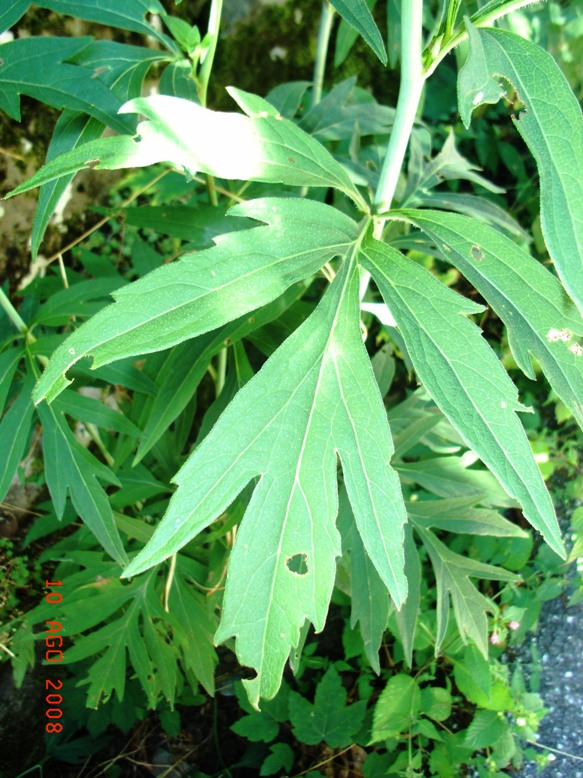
516,106
477,253
297,564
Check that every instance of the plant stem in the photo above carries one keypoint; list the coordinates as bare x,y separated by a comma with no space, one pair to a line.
326,20
221,370
11,312
412,81
480,21
213,34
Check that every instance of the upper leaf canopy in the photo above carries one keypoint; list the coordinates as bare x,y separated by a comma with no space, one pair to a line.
202,291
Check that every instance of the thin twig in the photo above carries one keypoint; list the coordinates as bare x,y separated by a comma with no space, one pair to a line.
555,750
105,219
325,761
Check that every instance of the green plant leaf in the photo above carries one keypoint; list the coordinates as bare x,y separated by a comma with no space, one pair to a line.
37,67
407,616
14,10
346,37
128,15
14,434
477,207
459,514
436,703
70,468
121,68
396,708
451,476
200,225
205,290
472,675
552,129
540,318
337,114
282,570
72,129
261,725
328,720
92,411
281,758
370,602
269,147
177,81
486,729
134,613
452,574
8,363
186,364
358,15
193,623
464,377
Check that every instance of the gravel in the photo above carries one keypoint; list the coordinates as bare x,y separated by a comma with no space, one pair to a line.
559,641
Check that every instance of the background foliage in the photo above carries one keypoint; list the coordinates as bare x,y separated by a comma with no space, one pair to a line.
212,353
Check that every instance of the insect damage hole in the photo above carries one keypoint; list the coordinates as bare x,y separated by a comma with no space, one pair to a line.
298,563
477,253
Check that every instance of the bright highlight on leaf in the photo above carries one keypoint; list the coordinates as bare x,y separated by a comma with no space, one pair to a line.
314,399
194,139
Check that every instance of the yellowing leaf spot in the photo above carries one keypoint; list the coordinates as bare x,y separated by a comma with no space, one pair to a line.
554,335
576,349
478,98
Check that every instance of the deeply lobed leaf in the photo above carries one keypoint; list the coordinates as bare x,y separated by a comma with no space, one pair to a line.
464,377
540,318
202,291
314,397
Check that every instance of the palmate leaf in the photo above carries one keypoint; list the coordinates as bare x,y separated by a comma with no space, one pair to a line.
37,67
540,318
328,719
205,290
551,128
130,621
314,398
268,148
464,377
